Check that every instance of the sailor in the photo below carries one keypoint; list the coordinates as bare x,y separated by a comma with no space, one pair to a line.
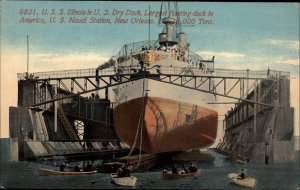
243,174
62,167
123,172
76,168
119,172
174,170
88,167
193,168
126,172
201,66
185,169
142,64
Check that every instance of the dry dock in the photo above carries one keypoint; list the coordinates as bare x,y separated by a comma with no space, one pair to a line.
62,114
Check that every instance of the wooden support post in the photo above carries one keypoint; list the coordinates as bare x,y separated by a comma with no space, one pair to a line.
55,111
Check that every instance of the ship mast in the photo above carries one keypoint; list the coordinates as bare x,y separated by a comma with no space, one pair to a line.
149,29
27,75
27,54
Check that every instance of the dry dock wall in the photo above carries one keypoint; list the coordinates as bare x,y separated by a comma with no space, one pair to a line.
34,127
37,124
9,148
261,134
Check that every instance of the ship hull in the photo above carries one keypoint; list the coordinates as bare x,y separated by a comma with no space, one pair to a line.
166,125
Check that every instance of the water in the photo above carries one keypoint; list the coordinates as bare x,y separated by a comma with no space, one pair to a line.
213,176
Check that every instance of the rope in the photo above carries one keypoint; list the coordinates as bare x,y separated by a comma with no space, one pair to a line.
133,145
137,130
141,140
161,7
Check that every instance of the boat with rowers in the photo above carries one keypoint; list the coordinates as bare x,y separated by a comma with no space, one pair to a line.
245,182
45,171
123,181
181,174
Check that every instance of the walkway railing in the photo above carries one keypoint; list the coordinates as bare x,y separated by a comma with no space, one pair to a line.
64,74
155,69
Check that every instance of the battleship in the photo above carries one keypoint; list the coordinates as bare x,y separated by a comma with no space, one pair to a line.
153,116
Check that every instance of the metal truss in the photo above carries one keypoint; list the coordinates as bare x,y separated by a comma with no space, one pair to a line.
219,85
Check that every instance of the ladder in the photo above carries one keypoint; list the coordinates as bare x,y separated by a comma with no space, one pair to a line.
63,118
66,123
47,147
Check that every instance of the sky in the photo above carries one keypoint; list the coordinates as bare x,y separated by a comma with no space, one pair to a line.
251,36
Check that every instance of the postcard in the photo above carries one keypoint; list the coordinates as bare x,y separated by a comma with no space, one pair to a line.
149,95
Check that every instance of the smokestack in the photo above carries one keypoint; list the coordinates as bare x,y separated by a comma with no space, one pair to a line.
169,28
182,39
162,37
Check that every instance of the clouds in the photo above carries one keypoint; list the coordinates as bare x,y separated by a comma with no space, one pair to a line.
274,53
223,58
231,55
76,60
289,61
290,44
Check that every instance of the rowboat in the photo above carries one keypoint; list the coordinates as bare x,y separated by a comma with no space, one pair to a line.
181,174
44,171
247,182
111,167
124,181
